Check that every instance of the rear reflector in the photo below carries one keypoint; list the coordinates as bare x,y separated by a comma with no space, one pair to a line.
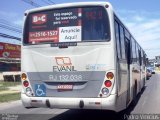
34,100
97,103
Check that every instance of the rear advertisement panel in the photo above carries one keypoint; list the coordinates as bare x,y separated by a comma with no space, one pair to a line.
57,26
67,25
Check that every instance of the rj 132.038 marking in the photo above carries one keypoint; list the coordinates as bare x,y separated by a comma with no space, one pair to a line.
65,77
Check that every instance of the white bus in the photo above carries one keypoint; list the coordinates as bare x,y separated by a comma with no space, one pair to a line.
79,56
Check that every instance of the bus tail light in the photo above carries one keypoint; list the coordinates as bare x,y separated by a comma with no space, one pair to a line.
105,91
110,75
29,91
24,76
108,83
25,83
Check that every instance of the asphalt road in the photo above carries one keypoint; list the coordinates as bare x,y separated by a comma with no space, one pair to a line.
148,102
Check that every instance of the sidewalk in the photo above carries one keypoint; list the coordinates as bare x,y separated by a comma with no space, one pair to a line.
9,104
13,89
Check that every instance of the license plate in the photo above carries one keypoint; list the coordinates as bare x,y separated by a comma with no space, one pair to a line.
64,87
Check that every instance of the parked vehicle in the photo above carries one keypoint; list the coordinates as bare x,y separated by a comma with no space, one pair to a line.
148,74
152,69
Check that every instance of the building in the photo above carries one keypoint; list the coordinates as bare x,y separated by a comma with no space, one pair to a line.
10,62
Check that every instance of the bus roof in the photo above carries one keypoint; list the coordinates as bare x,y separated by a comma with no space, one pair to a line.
74,4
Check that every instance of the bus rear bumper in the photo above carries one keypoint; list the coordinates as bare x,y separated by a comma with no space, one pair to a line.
108,103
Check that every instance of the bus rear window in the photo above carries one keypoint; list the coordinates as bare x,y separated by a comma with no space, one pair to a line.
67,25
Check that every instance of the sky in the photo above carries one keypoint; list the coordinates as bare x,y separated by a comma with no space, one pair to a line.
142,17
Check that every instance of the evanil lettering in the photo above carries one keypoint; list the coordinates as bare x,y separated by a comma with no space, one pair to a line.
63,68
39,19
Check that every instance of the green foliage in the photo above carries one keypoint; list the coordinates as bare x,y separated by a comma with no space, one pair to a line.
9,97
5,85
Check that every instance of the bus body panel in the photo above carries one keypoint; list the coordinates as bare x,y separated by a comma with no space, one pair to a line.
108,103
89,69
